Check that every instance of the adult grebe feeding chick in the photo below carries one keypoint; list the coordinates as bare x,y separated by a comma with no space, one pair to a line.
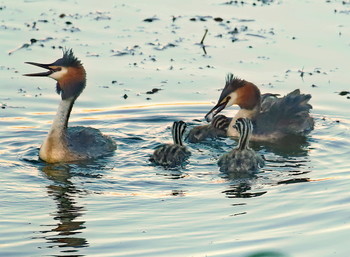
242,159
273,117
217,128
172,155
63,143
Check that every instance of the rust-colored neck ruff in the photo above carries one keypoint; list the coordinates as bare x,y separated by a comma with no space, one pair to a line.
73,83
248,96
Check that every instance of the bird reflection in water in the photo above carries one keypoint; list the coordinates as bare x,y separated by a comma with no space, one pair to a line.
241,189
63,191
281,171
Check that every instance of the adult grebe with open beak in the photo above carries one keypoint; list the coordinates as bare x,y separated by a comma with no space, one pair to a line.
63,143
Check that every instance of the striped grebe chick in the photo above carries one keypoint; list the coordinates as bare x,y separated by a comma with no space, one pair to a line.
216,128
242,159
172,155
273,117
63,143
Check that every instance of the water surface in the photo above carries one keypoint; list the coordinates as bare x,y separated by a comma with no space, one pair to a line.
121,205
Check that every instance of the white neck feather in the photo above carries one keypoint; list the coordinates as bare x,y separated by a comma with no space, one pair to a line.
60,122
55,144
242,113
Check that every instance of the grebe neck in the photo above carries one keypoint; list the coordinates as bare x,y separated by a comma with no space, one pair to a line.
56,144
248,113
60,122
243,140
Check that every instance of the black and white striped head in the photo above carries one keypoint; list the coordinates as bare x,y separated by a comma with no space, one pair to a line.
245,128
177,131
221,122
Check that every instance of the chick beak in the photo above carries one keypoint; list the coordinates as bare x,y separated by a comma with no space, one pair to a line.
216,109
40,74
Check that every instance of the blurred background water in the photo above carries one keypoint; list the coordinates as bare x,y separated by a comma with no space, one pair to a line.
121,205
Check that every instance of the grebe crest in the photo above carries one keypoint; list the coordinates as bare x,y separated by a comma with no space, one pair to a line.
63,143
242,160
273,117
172,155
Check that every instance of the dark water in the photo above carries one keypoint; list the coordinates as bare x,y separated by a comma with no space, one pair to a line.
121,205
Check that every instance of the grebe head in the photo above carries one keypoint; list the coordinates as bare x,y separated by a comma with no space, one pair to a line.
245,128
69,73
236,91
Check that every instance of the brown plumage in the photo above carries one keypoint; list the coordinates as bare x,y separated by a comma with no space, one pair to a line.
273,117
63,143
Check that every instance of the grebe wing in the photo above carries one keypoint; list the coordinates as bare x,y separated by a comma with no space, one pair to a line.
89,142
289,114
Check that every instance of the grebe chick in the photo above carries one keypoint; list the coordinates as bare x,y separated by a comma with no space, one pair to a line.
63,143
242,159
172,155
217,128
273,117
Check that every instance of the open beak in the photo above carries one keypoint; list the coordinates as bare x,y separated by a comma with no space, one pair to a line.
216,109
40,74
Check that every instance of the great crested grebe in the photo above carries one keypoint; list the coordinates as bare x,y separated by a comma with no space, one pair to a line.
273,117
217,128
172,155
242,159
63,143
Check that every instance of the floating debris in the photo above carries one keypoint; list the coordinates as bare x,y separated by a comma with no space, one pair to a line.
255,35
201,44
153,91
163,47
151,19
126,51
201,18
100,16
344,93
32,41
218,19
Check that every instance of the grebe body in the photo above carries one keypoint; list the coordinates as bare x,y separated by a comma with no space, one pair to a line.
242,159
63,143
172,155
